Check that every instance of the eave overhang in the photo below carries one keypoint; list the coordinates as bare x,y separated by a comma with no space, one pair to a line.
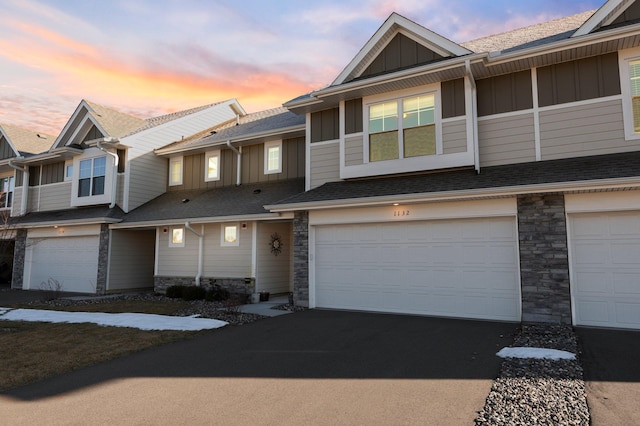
202,220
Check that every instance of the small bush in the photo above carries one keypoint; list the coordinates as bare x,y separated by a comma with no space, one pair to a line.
217,294
193,293
175,291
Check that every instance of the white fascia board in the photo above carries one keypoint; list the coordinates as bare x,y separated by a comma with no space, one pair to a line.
203,220
606,14
49,224
508,191
258,135
67,126
497,58
435,41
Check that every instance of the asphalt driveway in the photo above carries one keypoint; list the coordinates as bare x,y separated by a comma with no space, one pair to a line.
312,367
612,375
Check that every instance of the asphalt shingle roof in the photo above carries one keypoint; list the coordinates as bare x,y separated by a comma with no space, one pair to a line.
28,142
226,201
512,175
115,123
98,213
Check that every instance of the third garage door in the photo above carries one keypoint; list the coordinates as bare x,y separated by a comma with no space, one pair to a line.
458,268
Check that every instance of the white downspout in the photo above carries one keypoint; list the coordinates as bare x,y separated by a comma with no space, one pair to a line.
200,250
25,183
474,115
239,154
114,179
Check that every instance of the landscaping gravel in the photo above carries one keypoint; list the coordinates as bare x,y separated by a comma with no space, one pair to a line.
538,391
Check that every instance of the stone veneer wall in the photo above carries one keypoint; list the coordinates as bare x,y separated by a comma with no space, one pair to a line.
234,285
301,258
17,276
103,260
544,259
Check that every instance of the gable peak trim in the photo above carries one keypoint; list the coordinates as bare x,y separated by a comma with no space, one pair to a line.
608,13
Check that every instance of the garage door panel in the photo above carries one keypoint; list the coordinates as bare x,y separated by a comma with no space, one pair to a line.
605,266
440,268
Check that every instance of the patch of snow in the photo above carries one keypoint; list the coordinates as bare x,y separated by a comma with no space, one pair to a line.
134,320
537,353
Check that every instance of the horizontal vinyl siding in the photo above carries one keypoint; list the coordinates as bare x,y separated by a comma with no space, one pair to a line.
454,137
52,197
131,260
273,272
120,189
354,150
226,262
147,179
325,164
178,261
17,201
589,129
506,140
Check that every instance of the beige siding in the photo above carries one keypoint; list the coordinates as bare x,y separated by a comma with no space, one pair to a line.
120,189
147,178
325,164
178,261
17,201
229,262
273,272
53,197
131,259
591,129
354,150
507,140
454,137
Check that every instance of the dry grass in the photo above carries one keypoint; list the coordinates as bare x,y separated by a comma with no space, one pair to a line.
32,351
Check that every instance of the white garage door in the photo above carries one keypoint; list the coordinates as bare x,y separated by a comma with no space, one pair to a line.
458,268
605,260
72,261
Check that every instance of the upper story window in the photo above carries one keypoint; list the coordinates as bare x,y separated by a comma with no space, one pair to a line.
273,157
629,65
68,170
175,171
7,185
212,166
92,176
402,128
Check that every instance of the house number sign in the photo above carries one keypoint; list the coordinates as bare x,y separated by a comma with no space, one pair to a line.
400,213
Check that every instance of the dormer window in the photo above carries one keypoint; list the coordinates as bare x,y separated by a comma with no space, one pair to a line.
273,157
92,176
175,171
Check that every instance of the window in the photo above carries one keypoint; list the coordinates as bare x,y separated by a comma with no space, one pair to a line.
273,157
229,235
175,171
92,176
7,185
68,170
402,128
212,166
176,237
629,66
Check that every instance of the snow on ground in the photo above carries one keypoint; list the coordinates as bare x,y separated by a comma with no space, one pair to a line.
538,353
141,321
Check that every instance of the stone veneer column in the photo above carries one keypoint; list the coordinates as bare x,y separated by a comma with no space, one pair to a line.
301,258
103,260
544,259
19,251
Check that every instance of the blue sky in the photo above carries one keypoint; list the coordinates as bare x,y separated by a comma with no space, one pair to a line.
150,57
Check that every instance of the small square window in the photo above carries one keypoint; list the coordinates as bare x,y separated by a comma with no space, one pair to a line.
68,170
175,171
273,157
212,166
176,237
230,235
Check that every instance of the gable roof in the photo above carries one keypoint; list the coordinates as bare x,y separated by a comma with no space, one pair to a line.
603,16
257,125
393,25
26,142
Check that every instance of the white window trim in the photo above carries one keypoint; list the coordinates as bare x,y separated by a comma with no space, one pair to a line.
268,145
207,156
184,236
2,206
91,154
224,243
67,164
624,57
172,161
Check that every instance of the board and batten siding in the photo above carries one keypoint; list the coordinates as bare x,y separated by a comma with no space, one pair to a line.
454,137
506,140
274,272
221,262
131,259
353,150
581,130
325,164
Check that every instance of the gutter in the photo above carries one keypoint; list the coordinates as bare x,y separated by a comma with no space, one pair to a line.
114,177
200,250
25,183
203,220
474,115
239,154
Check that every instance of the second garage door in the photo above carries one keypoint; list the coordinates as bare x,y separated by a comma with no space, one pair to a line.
71,261
458,268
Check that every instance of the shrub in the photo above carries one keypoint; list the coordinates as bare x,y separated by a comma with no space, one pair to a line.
175,291
193,293
217,294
